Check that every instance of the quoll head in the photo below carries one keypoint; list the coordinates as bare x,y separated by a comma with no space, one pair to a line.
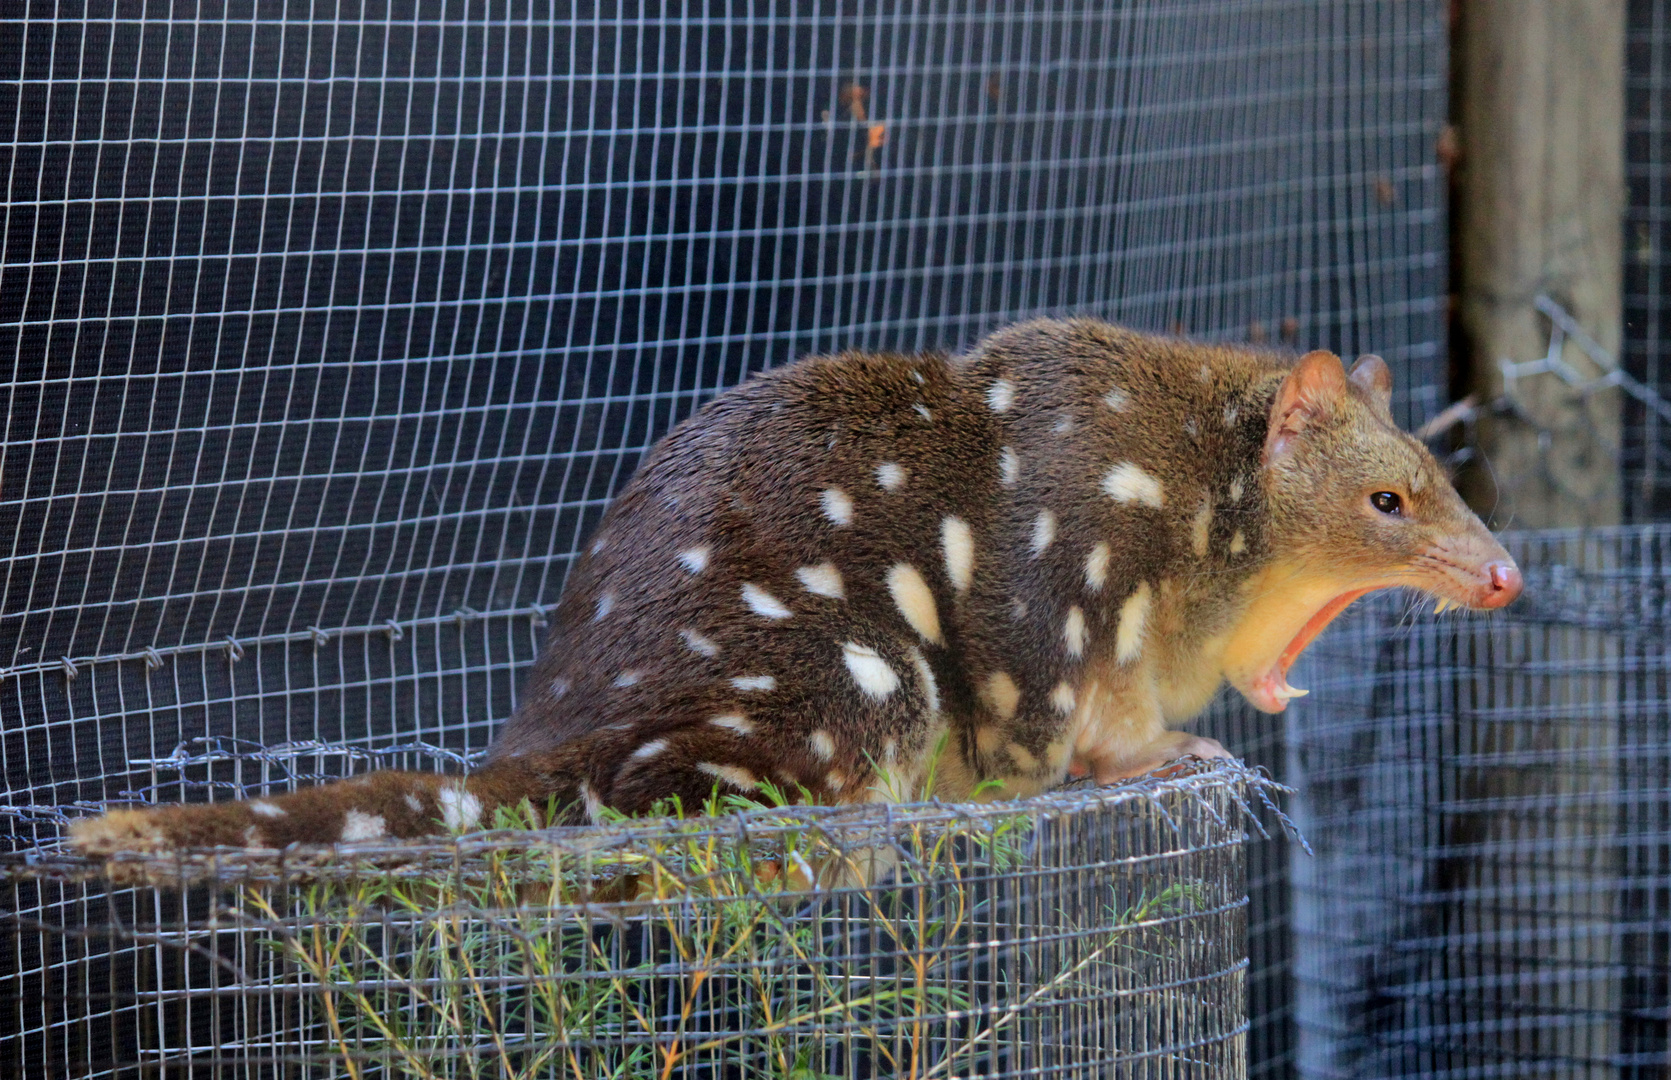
1355,505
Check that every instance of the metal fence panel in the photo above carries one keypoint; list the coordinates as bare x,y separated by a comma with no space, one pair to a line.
1490,803
335,323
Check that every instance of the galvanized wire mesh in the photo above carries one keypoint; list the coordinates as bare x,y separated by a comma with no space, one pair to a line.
334,325
1083,933
1490,803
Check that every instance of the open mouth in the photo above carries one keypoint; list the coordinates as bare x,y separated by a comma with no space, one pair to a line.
1270,692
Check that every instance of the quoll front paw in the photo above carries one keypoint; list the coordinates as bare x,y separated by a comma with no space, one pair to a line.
1151,759
1181,763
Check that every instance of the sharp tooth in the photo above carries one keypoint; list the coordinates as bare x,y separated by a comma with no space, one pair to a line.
1440,606
1286,692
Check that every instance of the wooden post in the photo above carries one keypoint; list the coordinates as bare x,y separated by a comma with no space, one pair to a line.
1539,208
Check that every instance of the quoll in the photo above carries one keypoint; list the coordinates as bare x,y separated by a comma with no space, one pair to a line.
1031,559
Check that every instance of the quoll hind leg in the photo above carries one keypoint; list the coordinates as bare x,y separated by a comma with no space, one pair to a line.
1171,746
379,805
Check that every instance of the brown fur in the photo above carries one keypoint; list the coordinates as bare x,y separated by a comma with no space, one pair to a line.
1261,517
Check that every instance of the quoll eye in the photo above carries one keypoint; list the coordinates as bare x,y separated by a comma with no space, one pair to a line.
1387,502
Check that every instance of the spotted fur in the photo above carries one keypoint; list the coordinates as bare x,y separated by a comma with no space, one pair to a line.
1031,556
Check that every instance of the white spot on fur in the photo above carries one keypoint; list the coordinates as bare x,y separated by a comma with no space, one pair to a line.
869,670
606,604
1073,632
736,722
730,774
699,644
1206,373
1096,566
1060,750
598,545
1001,694
1063,424
1063,698
1116,399
1009,466
263,808
1128,483
890,753
822,745
413,803
837,506
1201,529
627,678
594,805
1190,427
1044,532
559,687
917,375
1230,414
890,476
361,826
1022,757
459,808
925,679
763,603
922,410
695,559
1238,543
1134,614
649,750
958,543
1236,490
822,580
754,683
915,601
1000,395
1018,609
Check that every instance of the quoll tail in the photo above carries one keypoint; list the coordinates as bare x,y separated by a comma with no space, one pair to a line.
379,805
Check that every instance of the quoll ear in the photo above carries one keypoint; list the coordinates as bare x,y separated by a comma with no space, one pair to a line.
1372,374
1313,389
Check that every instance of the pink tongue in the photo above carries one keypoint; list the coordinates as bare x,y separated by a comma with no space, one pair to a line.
1314,627
1271,691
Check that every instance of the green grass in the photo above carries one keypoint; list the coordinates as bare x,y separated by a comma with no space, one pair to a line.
687,946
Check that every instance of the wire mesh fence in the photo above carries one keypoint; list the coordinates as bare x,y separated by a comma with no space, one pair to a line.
1490,804
334,325
1082,933
1647,247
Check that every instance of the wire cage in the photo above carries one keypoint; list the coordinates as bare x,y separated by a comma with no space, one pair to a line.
1089,932
334,324
1490,804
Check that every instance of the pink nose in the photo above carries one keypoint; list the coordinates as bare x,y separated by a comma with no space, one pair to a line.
1505,585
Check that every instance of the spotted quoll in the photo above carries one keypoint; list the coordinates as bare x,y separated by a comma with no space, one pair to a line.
857,572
